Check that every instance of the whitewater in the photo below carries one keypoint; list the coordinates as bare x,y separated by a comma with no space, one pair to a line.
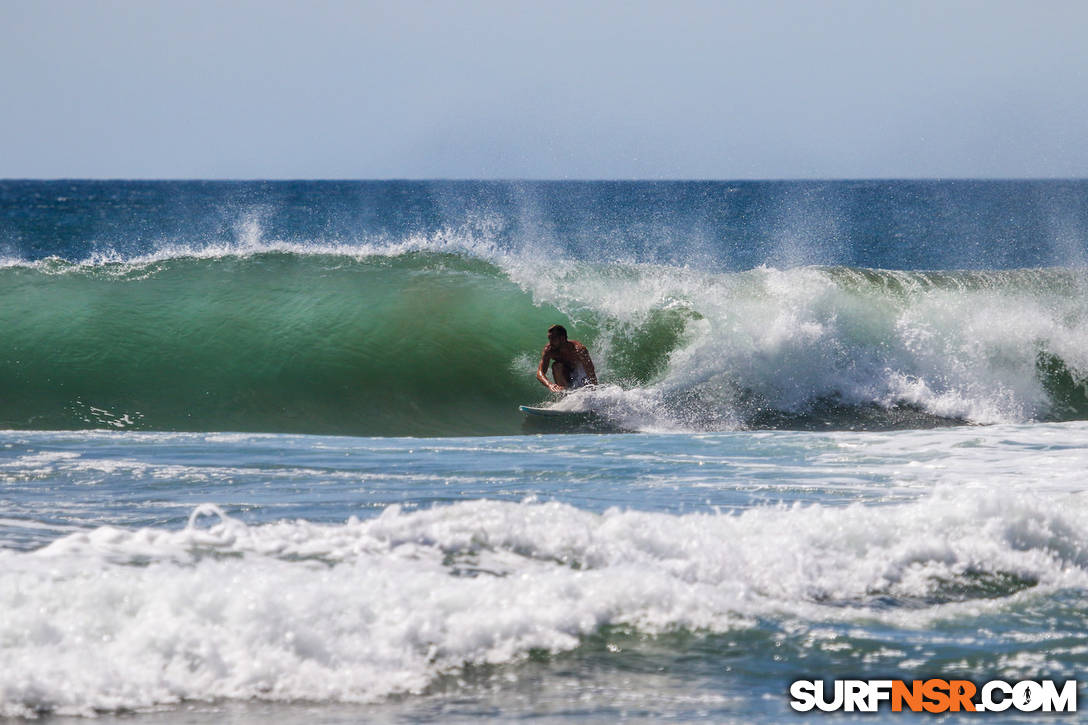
261,458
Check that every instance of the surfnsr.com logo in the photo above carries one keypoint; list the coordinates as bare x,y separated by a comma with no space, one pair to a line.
934,695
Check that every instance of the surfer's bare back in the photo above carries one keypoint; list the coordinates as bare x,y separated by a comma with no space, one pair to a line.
572,367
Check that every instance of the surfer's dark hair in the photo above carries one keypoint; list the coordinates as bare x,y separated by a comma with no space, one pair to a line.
558,329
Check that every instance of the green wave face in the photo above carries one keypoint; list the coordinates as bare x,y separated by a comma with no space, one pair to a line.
415,345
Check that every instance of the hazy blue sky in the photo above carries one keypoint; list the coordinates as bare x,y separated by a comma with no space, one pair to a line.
548,89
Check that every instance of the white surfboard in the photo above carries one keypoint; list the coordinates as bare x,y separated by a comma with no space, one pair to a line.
557,420
549,412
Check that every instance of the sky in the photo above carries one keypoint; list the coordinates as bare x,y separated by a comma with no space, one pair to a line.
556,89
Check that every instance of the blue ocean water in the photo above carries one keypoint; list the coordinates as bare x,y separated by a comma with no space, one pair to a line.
261,455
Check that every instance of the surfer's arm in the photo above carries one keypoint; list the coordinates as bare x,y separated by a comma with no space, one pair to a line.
587,364
542,373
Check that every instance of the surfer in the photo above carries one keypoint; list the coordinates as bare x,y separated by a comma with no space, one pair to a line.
572,367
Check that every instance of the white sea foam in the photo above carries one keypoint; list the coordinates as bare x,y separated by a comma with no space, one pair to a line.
968,347
113,618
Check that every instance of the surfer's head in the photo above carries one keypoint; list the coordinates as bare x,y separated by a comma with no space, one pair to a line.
557,334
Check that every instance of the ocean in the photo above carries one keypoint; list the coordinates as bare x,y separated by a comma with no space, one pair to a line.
261,456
